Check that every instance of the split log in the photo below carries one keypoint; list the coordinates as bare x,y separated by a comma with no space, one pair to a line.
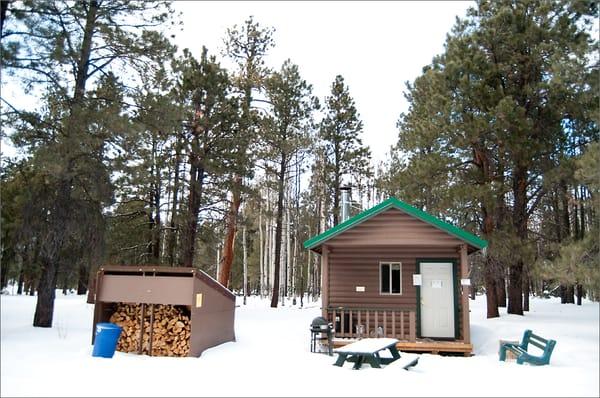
171,329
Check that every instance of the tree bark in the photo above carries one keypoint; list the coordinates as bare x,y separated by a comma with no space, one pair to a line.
261,253
196,186
3,276
491,290
86,50
231,222
515,280
501,292
21,281
91,294
44,309
336,187
245,263
526,291
173,226
156,222
579,293
278,220
515,291
82,281
570,294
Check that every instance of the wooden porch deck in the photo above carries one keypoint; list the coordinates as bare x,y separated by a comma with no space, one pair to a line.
421,345
398,323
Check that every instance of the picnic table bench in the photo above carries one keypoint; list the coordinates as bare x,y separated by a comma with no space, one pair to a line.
522,353
367,350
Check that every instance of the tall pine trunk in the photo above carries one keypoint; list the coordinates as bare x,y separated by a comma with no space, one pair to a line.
21,281
44,309
83,278
491,290
579,293
196,186
501,291
3,279
261,284
526,291
245,263
515,272
231,225
156,221
336,187
490,273
278,222
173,226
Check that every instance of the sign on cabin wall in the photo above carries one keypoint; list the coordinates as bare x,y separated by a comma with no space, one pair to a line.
360,288
417,280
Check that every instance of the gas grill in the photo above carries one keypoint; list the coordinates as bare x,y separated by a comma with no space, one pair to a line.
320,330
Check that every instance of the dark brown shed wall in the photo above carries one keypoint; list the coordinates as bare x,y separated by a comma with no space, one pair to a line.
213,322
147,289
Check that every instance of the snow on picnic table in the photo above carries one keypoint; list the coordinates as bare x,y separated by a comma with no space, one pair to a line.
368,345
272,357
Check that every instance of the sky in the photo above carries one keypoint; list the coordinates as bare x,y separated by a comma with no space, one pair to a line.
375,46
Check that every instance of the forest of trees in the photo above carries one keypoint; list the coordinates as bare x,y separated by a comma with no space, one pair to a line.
142,153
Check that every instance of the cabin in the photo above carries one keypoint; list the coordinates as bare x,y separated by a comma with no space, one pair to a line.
396,271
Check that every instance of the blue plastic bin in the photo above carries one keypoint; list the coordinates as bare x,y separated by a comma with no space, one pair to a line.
105,342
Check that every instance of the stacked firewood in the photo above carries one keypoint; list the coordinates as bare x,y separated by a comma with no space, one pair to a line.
170,329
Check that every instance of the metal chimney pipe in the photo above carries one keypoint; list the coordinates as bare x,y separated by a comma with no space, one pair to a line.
345,191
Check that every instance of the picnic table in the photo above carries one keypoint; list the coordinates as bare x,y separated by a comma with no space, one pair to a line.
367,350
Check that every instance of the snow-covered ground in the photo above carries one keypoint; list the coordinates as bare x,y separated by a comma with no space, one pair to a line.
272,357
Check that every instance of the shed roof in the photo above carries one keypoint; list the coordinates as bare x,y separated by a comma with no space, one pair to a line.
316,241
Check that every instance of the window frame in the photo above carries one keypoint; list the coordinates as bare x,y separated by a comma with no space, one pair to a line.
390,263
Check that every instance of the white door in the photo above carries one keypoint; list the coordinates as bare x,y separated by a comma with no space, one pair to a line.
437,299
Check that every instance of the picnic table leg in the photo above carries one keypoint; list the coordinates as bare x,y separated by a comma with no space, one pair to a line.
341,359
359,362
502,356
394,351
373,361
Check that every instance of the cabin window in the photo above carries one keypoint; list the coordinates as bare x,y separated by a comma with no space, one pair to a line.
390,276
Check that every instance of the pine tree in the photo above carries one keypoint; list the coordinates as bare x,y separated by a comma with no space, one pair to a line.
487,116
40,41
345,155
286,134
213,135
246,45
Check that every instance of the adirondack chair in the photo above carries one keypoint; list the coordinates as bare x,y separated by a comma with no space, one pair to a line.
522,352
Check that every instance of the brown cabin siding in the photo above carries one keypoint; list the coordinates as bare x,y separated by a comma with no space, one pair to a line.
394,227
351,267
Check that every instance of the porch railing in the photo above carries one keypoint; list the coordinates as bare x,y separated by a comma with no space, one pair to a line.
397,323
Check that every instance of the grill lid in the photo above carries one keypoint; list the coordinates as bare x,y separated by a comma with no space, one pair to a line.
320,323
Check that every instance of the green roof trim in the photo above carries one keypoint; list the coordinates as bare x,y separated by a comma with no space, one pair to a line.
405,207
